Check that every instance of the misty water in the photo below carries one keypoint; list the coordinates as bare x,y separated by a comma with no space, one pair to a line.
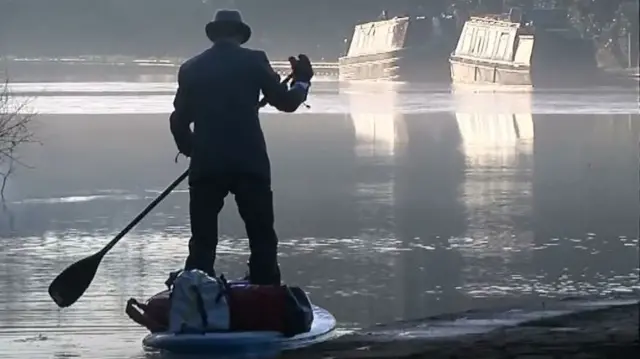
391,203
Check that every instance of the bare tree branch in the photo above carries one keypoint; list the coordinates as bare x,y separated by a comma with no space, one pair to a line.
15,130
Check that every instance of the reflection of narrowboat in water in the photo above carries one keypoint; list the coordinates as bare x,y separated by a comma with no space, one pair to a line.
496,128
377,116
505,50
497,136
399,49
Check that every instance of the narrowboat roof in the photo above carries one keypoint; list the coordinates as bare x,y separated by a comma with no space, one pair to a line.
501,20
392,19
493,19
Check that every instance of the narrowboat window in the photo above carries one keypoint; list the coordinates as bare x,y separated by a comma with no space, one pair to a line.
366,40
465,47
389,40
385,39
472,41
490,44
393,30
503,43
485,41
370,37
480,39
373,41
363,41
399,31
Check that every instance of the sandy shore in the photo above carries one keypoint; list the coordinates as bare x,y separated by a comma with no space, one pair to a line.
567,329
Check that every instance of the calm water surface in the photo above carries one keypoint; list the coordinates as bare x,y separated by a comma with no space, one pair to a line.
390,204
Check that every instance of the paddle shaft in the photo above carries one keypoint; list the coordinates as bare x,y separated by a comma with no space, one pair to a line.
146,211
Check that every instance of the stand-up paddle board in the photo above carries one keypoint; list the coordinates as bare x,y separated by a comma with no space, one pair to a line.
220,343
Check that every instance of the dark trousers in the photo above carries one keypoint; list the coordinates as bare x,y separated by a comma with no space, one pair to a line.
255,203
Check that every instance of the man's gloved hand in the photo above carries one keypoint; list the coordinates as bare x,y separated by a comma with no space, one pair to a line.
301,72
301,69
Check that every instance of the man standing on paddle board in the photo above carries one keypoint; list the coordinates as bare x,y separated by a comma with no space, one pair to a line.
218,92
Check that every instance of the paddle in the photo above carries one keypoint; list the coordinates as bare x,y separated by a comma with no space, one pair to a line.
71,284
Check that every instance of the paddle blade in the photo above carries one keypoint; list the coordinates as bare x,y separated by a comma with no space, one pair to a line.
71,284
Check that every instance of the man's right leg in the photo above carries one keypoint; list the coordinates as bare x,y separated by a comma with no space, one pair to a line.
206,199
255,204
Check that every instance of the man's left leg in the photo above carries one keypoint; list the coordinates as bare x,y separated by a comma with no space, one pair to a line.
206,199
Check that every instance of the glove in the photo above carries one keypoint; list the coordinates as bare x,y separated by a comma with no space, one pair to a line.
301,69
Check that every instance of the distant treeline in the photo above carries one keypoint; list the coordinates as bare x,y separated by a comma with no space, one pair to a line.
282,27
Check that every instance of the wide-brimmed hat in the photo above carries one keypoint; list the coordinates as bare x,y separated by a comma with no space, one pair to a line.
228,19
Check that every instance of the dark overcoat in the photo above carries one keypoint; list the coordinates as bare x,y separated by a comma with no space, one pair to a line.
218,91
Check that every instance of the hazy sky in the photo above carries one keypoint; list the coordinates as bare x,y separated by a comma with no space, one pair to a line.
176,27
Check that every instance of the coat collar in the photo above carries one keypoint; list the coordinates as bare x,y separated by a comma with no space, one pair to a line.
225,43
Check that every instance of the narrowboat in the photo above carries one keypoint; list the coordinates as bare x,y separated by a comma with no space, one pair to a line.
400,49
506,49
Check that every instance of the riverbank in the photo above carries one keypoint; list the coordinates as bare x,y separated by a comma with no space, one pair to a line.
567,329
118,68
628,73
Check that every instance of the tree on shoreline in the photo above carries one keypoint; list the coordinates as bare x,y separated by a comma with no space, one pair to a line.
15,130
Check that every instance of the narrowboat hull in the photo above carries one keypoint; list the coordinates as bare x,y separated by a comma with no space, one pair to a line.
403,65
401,49
478,72
467,71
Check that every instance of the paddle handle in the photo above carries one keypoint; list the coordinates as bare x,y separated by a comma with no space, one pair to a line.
146,211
